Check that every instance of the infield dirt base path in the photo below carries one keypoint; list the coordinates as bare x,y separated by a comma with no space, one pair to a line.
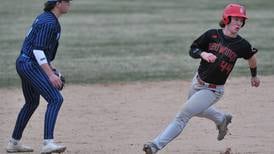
119,118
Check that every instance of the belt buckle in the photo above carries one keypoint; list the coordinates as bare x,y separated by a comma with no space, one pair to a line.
212,86
209,85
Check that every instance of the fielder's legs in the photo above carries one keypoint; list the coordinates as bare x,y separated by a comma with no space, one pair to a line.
55,100
40,85
31,103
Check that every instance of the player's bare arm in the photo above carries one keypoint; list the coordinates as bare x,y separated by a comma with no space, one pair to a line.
252,62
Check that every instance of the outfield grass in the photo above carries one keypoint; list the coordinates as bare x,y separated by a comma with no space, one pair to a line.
129,40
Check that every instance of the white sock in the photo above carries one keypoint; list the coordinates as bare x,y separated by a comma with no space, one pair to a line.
47,141
14,141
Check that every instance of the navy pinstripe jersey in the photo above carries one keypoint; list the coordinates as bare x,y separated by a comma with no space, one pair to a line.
43,35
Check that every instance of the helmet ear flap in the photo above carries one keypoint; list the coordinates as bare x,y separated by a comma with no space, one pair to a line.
226,19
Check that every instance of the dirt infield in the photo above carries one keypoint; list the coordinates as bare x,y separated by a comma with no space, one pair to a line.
119,118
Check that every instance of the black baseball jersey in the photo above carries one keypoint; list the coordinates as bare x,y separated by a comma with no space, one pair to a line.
227,50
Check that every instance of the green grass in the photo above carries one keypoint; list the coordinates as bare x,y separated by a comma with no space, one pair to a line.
128,40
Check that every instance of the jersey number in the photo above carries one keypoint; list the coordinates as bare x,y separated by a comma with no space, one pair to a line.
225,67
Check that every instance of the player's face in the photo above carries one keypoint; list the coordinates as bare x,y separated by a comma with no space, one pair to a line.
235,24
64,6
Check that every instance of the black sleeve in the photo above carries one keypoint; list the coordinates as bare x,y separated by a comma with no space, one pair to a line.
249,51
195,53
199,45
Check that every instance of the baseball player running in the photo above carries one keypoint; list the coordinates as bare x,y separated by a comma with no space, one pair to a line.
36,72
218,50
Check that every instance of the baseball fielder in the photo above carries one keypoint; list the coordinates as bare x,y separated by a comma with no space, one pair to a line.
37,76
218,50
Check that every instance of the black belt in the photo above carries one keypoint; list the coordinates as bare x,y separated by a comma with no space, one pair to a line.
209,85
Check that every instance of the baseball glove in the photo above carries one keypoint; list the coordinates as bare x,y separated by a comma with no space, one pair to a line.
62,78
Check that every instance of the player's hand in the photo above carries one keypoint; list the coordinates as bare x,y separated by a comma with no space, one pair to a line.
209,57
255,82
55,80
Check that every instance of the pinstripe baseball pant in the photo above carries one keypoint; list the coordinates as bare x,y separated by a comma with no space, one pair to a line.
35,83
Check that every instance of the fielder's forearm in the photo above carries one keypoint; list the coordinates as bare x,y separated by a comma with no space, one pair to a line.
47,69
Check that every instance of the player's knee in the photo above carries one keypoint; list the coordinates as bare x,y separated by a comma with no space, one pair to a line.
58,100
182,118
34,106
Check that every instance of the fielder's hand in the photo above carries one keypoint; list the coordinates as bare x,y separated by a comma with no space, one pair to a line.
61,78
55,80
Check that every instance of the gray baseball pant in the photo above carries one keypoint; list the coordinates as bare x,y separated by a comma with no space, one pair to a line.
199,103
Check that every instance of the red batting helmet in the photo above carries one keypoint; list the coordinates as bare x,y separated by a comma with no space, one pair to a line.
233,10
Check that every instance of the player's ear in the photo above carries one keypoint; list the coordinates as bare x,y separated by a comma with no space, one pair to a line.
58,3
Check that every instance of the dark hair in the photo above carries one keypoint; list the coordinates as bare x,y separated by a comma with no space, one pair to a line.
222,23
243,23
49,6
